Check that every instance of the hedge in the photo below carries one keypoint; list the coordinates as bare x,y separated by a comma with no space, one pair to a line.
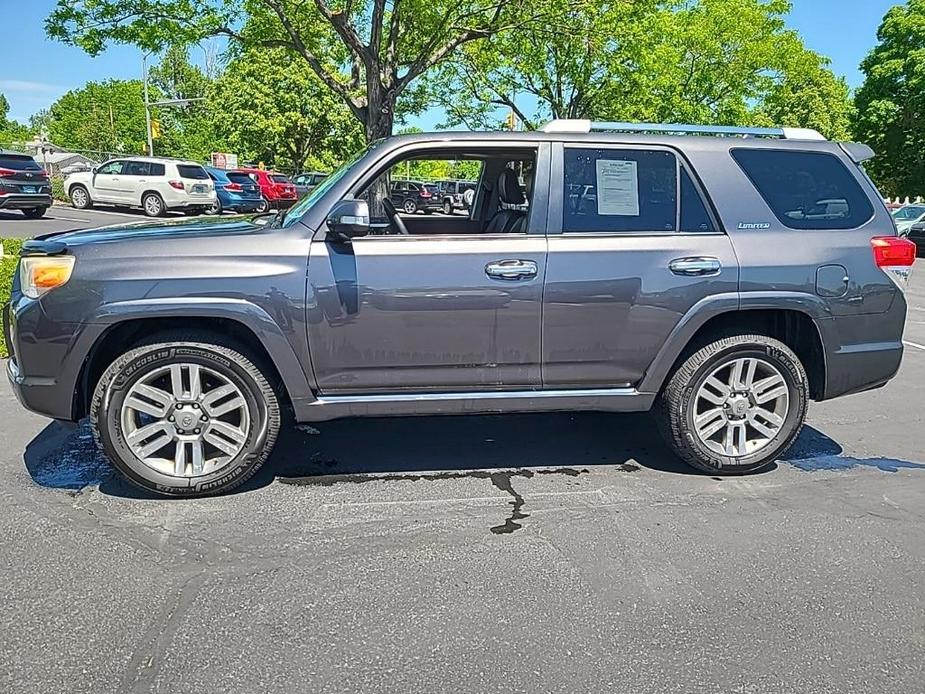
7,269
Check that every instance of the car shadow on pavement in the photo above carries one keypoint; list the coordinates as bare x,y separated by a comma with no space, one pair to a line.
65,457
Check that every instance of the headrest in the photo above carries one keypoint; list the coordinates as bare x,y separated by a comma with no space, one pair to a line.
509,189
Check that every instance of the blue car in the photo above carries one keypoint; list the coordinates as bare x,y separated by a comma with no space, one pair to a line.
236,192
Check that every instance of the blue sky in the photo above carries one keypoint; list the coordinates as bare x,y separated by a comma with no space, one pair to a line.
34,71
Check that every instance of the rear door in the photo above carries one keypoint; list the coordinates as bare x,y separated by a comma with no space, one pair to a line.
133,181
632,248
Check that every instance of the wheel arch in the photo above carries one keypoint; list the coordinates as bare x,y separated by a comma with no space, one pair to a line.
241,322
792,319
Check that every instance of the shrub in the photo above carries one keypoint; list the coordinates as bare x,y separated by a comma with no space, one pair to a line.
57,188
7,270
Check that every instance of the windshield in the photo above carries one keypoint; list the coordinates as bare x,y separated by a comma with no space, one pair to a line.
908,213
305,204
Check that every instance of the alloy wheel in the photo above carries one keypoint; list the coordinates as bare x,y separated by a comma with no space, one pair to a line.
741,406
185,420
79,198
153,205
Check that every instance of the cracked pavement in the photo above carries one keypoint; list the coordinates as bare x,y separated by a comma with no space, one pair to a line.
519,553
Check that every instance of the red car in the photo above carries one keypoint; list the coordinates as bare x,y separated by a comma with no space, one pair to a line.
277,190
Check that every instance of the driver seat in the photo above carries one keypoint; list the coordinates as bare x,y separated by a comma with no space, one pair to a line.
509,193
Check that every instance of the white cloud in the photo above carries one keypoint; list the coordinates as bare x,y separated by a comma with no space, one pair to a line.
26,87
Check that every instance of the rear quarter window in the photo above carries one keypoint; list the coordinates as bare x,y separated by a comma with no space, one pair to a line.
806,190
192,171
157,169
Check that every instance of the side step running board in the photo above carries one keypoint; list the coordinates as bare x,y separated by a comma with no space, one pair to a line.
482,402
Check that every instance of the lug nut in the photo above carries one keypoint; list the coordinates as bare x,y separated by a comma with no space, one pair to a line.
196,431
170,418
195,406
203,418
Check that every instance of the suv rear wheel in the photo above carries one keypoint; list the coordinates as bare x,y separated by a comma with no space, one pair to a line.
734,405
447,207
184,416
410,206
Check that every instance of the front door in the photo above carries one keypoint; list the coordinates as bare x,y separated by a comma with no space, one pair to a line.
394,313
106,182
632,248
442,309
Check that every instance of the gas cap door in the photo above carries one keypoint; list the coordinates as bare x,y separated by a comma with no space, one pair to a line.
832,281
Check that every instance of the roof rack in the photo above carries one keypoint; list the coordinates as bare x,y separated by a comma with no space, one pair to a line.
566,125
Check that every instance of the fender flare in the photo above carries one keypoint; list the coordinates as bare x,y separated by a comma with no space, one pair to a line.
248,314
731,302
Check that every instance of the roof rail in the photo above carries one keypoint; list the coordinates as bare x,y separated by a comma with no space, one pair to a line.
564,125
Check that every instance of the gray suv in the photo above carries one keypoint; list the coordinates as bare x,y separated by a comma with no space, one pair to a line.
723,277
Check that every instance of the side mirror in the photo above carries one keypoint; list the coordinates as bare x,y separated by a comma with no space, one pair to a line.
93,170
918,226
349,219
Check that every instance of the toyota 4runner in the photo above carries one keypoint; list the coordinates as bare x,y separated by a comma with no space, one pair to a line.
723,277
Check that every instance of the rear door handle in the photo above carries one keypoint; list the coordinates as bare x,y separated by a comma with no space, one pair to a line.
695,267
512,269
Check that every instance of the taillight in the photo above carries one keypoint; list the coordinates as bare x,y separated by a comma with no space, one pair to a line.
6,172
425,193
895,256
233,186
176,184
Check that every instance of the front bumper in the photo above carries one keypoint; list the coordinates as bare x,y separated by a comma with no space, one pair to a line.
24,201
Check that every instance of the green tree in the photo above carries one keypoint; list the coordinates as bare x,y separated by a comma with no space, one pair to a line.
890,104
187,129
695,61
270,107
102,116
11,131
809,96
368,53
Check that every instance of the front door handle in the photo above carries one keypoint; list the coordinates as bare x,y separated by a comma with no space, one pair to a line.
512,269
695,267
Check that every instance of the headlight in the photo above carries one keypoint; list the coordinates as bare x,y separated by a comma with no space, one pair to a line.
39,274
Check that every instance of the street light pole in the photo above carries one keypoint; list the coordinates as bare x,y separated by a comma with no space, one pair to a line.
144,69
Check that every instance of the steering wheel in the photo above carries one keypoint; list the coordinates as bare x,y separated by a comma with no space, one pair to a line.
393,215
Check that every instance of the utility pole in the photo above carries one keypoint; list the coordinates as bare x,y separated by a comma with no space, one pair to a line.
144,69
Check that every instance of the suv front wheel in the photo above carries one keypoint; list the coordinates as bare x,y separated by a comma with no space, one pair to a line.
735,405
184,416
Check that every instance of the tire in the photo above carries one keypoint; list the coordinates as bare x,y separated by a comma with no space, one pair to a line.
80,197
218,364
35,212
447,207
688,395
215,208
153,205
409,206
264,206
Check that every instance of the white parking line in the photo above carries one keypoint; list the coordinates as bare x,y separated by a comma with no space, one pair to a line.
914,344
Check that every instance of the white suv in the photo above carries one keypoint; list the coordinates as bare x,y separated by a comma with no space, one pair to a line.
155,185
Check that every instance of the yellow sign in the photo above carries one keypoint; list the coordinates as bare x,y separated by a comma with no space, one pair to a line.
155,129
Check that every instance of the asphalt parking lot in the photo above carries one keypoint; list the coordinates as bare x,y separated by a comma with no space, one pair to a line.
13,224
527,553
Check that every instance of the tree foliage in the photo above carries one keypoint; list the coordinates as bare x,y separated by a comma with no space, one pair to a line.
369,53
890,105
10,130
269,106
186,130
690,61
101,116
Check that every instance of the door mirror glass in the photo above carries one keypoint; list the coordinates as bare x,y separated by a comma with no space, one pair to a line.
349,219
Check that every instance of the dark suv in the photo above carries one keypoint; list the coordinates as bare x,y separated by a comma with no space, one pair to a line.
411,196
724,280
24,185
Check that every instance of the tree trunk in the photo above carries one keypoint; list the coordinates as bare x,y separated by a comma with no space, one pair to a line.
379,121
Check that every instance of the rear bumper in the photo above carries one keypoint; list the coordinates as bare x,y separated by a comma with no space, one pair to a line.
283,203
24,201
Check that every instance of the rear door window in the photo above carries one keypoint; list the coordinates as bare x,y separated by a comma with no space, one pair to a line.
620,190
192,171
136,168
806,190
